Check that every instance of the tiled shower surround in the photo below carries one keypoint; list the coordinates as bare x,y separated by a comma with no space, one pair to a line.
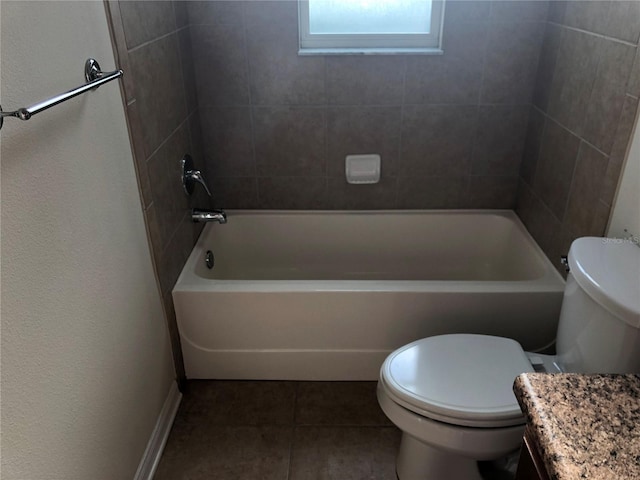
584,108
531,107
450,128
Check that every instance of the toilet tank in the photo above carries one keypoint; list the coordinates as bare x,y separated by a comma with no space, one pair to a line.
599,326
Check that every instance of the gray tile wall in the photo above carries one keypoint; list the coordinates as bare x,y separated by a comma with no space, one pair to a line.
585,104
153,46
450,129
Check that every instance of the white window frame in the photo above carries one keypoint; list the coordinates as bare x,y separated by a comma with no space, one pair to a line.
360,43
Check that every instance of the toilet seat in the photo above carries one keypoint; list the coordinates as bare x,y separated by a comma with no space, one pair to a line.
459,379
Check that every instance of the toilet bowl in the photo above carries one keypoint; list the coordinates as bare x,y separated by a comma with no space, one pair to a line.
451,395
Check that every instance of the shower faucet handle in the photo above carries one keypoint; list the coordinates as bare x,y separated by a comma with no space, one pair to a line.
190,176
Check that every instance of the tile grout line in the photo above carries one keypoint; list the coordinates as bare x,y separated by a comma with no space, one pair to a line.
465,192
320,106
327,106
580,137
537,157
399,159
168,137
245,39
310,437
599,35
293,429
565,208
156,39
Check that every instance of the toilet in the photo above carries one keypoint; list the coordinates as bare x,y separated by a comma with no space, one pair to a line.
451,395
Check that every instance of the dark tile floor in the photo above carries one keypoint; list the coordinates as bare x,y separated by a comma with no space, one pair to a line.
275,430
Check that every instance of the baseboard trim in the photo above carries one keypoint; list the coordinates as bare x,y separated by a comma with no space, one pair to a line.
158,440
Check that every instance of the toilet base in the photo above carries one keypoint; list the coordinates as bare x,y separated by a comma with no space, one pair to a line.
419,461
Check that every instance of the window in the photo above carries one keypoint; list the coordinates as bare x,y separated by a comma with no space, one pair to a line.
370,26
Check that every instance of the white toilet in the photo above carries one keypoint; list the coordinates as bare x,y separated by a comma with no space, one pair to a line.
451,395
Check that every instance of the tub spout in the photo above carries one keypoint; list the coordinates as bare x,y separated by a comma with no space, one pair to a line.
199,215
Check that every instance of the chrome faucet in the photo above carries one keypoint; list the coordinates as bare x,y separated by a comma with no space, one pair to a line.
199,215
189,177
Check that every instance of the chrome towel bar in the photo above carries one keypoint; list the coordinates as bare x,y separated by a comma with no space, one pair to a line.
92,73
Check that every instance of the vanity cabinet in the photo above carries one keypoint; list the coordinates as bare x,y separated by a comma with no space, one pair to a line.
530,464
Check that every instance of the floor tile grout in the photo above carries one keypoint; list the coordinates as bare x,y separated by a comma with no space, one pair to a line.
324,421
293,429
229,428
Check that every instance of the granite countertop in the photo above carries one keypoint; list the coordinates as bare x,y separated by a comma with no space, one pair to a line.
585,426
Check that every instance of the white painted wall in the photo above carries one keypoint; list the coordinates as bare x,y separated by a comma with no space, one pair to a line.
626,211
86,362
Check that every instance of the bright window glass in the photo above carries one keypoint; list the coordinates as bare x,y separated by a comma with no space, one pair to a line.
369,16
370,26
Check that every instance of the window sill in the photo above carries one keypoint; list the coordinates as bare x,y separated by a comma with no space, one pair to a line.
370,51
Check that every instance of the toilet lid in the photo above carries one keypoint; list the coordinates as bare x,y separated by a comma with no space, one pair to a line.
460,379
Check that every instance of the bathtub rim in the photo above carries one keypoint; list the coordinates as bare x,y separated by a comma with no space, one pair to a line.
189,281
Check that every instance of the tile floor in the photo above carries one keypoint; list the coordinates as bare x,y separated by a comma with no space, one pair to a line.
245,430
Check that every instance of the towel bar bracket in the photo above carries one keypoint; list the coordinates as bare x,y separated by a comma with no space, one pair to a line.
92,70
92,74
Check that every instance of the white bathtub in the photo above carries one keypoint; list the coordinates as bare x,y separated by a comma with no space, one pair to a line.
327,295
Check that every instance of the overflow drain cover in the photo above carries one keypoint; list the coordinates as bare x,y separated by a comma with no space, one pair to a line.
209,260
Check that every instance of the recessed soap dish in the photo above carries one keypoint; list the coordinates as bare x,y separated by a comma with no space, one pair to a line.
362,169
